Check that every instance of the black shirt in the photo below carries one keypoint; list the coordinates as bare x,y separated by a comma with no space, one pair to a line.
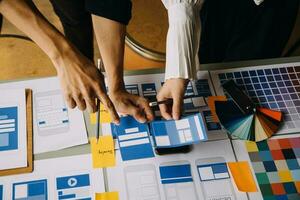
117,10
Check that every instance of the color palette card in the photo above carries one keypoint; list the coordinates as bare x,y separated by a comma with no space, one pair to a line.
257,126
276,164
242,118
186,131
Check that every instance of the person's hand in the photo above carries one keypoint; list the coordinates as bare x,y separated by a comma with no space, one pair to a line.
82,83
129,104
172,89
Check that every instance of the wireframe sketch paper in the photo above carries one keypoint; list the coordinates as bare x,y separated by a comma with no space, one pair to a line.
55,125
56,178
200,174
133,138
13,133
171,133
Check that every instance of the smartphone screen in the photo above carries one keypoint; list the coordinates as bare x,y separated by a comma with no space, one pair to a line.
239,97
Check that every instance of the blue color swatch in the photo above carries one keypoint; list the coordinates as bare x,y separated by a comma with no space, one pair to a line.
175,173
133,138
74,187
171,133
8,128
31,190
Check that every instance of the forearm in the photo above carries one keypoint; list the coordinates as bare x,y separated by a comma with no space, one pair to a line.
110,36
30,21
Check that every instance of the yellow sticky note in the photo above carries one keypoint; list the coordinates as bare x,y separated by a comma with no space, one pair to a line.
103,152
104,116
242,176
107,196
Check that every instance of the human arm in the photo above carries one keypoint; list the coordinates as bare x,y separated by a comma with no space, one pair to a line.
110,36
80,80
182,60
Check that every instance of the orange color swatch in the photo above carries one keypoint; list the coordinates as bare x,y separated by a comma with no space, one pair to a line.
277,115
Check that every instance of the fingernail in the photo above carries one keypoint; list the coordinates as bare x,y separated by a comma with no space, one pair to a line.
142,121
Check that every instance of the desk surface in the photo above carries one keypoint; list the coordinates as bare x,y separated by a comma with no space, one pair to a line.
84,149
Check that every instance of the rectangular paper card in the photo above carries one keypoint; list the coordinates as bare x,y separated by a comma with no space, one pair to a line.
55,126
133,138
171,133
13,132
103,151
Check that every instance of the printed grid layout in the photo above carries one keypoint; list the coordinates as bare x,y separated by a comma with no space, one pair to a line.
275,88
276,164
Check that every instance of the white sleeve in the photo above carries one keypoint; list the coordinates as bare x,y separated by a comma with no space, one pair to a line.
183,40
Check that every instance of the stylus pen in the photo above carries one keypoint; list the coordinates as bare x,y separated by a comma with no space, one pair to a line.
98,106
167,101
105,179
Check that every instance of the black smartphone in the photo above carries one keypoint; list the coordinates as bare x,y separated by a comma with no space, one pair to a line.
240,98
165,151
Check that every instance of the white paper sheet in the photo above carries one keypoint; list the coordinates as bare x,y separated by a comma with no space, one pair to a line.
146,172
70,172
13,132
55,126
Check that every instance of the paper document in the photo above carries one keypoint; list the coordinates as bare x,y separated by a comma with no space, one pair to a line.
55,125
13,131
133,138
171,133
57,178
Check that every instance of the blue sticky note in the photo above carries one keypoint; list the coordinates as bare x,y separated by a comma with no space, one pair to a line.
186,131
133,139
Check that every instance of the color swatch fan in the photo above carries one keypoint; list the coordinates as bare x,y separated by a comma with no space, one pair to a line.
243,119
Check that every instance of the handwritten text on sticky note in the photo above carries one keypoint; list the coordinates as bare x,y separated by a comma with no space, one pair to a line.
103,152
104,116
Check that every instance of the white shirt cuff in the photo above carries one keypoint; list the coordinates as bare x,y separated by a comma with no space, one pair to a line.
183,41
